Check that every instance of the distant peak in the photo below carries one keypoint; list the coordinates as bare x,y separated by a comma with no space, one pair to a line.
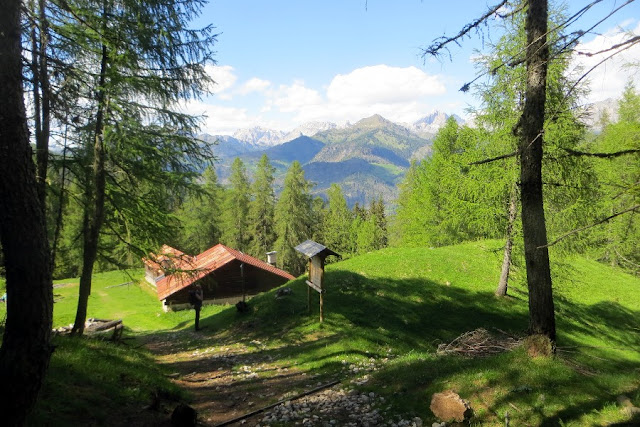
374,120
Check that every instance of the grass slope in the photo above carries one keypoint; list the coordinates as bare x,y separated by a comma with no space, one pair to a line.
392,308
385,314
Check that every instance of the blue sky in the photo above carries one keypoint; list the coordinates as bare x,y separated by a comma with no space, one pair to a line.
282,63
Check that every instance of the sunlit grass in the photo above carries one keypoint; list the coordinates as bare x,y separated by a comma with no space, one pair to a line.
389,310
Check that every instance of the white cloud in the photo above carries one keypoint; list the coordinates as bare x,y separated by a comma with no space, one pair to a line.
294,97
607,80
219,120
254,85
399,94
224,79
383,84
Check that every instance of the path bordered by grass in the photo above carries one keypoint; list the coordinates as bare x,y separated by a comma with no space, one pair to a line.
385,314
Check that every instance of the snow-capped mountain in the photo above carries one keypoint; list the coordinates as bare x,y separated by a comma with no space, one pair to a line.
431,123
599,112
308,129
260,136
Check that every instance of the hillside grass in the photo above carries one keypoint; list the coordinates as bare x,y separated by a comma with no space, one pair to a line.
385,314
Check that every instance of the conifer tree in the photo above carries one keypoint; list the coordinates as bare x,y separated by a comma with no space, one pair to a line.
235,224
26,349
293,219
616,242
337,221
261,209
134,61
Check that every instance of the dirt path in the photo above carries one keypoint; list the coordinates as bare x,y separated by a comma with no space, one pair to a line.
227,381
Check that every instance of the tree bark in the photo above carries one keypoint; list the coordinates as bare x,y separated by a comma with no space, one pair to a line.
41,94
94,211
25,351
508,247
541,310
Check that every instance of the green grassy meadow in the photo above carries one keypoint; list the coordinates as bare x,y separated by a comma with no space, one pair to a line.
385,315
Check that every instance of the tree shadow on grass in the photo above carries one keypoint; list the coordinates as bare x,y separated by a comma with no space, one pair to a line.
365,317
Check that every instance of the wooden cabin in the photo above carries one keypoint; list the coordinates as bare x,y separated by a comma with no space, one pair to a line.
225,274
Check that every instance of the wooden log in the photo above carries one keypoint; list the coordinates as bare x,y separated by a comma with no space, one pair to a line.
121,284
105,326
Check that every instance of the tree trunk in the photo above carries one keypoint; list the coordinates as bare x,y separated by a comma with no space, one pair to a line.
541,311
41,94
94,211
25,351
508,247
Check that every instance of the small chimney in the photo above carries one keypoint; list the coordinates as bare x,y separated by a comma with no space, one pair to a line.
271,257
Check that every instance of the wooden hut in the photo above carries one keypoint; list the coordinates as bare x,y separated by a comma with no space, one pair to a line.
225,274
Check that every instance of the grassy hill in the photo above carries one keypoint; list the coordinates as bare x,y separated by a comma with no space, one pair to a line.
385,315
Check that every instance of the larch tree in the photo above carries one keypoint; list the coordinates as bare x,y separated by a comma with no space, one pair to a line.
531,134
26,349
137,61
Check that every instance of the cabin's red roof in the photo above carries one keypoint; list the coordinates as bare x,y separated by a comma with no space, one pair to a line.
186,270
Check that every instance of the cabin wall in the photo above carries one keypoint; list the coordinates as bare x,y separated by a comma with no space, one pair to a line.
224,285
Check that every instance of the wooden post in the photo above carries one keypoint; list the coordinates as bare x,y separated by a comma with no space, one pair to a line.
309,290
321,291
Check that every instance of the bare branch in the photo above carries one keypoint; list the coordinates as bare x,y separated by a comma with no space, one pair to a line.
602,155
577,230
632,40
493,159
437,46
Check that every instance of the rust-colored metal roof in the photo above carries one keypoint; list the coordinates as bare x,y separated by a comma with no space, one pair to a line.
190,269
166,253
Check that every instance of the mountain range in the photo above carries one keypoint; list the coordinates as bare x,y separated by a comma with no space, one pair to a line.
367,158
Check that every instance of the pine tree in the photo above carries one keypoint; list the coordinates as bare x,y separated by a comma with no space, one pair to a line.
293,219
261,210
379,218
235,224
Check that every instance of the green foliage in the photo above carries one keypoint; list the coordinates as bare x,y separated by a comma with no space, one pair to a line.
261,210
293,219
235,213
618,189
454,196
442,198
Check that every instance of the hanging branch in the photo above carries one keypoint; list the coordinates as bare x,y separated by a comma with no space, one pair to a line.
602,155
437,46
577,230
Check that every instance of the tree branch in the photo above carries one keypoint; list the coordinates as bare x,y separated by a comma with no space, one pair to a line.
602,155
436,47
493,159
577,230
